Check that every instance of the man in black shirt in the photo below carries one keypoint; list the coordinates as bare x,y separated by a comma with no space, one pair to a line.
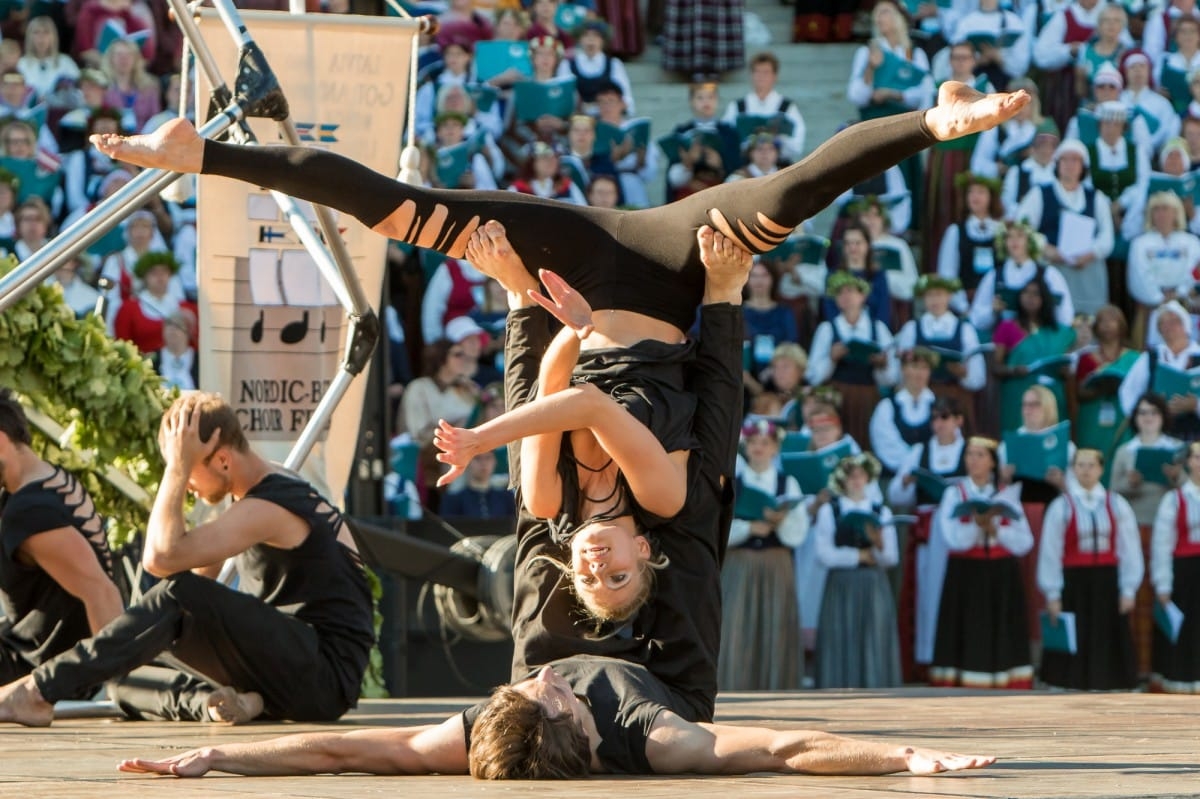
292,643
631,720
55,567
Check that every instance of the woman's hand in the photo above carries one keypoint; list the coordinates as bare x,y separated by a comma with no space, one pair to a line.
565,303
458,446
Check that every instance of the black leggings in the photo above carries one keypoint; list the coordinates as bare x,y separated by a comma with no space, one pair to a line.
223,636
645,261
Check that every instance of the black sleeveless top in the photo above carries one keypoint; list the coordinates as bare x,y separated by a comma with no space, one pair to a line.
41,618
320,582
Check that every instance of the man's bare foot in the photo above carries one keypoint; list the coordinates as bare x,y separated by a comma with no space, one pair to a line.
490,251
176,147
21,703
961,110
228,706
726,266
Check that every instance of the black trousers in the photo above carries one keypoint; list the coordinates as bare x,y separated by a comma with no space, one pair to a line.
219,637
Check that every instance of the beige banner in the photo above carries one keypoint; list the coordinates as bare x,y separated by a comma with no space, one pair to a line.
273,331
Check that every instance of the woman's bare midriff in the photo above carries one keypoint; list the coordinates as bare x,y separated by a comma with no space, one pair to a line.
625,328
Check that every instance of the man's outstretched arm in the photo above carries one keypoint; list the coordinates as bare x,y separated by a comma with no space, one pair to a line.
680,747
432,749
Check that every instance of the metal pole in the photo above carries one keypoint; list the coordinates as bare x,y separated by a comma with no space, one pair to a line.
89,228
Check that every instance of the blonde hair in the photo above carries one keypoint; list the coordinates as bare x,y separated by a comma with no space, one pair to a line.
140,78
902,28
1171,200
35,24
793,352
1049,404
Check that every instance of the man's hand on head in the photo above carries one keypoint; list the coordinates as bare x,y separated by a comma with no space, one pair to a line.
181,444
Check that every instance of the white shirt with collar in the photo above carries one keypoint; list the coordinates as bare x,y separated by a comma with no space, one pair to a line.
1154,35
963,534
1095,534
859,92
989,152
593,67
948,264
1039,175
1137,380
1017,276
886,442
943,459
1159,107
1075,200
1049,49
793,529
1015,58
793,145
176,370
834,557
942,327
821,365
1158,262
1166,534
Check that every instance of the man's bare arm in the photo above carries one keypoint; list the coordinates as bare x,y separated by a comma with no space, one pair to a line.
677,747
432,749
70,561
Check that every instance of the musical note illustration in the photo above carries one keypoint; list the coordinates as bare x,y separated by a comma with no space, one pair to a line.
295,331
256,330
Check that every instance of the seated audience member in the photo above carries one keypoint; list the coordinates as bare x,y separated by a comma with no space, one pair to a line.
478,497
714,148
543,177
760,628
1090,564
1145,491
455,289
140,318
77,293
593,67
636,165
177,360
293,552
764,99
56,574
131,89
45,68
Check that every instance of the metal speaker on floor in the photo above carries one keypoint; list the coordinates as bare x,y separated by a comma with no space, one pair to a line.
487,616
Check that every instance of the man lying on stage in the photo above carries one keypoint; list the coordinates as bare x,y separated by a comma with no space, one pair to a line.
292,643
628,721
56,583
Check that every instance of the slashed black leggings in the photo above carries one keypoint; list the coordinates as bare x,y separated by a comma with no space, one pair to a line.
644,260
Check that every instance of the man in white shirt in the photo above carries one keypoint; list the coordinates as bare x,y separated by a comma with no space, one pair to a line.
764,100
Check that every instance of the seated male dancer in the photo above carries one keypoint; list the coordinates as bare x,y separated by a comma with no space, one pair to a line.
292,643
56,583
631,722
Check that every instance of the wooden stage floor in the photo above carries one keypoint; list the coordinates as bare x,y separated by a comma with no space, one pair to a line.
1050,745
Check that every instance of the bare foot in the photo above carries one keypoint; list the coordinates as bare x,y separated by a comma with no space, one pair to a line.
726,265
176,146
490,251
961,110
21,703
228,706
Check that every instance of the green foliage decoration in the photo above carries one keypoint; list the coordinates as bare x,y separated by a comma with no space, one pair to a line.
103,391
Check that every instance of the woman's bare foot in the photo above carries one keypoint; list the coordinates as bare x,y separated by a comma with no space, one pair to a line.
490,251
21,703
228,706
176,147
961,110
726,265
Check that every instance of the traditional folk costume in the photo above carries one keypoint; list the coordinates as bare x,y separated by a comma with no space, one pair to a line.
1175,570
1090,555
